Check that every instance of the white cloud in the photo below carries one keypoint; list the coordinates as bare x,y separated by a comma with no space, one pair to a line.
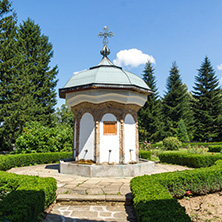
132,57
219,67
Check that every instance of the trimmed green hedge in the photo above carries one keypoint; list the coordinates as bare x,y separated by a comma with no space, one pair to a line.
215,148
145,154
206,144
28,197
17,160
189,159
153,195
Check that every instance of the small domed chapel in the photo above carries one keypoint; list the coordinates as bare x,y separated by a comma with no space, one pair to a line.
105,100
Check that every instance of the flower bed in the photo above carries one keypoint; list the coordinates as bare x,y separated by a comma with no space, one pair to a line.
189,159
153,196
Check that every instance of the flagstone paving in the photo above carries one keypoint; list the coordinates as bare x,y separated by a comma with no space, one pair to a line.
90,199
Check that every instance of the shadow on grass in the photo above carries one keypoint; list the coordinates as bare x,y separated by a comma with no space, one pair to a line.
161,211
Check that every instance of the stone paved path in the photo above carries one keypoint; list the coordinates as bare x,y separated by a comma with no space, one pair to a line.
89,199
88,213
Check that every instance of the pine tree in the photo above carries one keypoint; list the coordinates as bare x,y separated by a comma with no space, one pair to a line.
9,61
149,114
207,103
27,83
176,104
38,78
182,131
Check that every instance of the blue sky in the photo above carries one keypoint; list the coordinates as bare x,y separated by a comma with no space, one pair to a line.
164,31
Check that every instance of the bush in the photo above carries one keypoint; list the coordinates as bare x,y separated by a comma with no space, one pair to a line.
28,196
17,160
189,159
145,154
171,143
41,139
206,144
215,148
153,195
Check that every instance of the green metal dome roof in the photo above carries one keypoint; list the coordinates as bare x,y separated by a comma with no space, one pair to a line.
104,75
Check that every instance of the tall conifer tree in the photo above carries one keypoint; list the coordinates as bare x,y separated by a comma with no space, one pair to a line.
207,103
39,79
149,114
9,60
27,82
176,104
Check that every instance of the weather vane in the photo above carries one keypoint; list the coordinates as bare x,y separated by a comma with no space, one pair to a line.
105,34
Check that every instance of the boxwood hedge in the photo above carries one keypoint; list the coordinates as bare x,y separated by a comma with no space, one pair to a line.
215,148
145,154
153,195
17,160
189,159
26,196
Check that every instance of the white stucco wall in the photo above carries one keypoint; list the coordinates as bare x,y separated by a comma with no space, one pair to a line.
129,139
109,142
87,137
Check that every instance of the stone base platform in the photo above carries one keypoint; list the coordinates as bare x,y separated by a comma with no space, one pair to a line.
126,170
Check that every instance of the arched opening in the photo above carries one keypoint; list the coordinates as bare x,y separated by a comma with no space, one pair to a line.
129,139
86,137
109,139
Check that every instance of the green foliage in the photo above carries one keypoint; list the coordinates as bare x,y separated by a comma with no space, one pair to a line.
149,115
145,154
9,62
28,197
27,82
176,104
182,131
17,160
215,148
171,143
189,159
38,138
153,195
64,116
205,144
207,103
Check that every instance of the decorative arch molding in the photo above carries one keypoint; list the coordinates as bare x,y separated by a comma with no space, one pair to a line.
98,110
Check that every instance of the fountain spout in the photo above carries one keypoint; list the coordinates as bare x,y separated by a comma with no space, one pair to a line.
109,156
86,151
130,154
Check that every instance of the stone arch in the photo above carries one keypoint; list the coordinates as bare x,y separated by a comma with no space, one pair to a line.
130,148
86,137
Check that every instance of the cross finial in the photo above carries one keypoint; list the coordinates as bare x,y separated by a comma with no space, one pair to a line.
105,34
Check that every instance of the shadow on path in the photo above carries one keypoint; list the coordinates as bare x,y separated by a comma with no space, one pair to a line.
52,166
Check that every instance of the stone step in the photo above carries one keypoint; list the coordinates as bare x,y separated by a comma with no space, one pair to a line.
112,200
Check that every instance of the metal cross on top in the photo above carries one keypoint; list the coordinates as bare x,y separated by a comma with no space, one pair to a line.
105,34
